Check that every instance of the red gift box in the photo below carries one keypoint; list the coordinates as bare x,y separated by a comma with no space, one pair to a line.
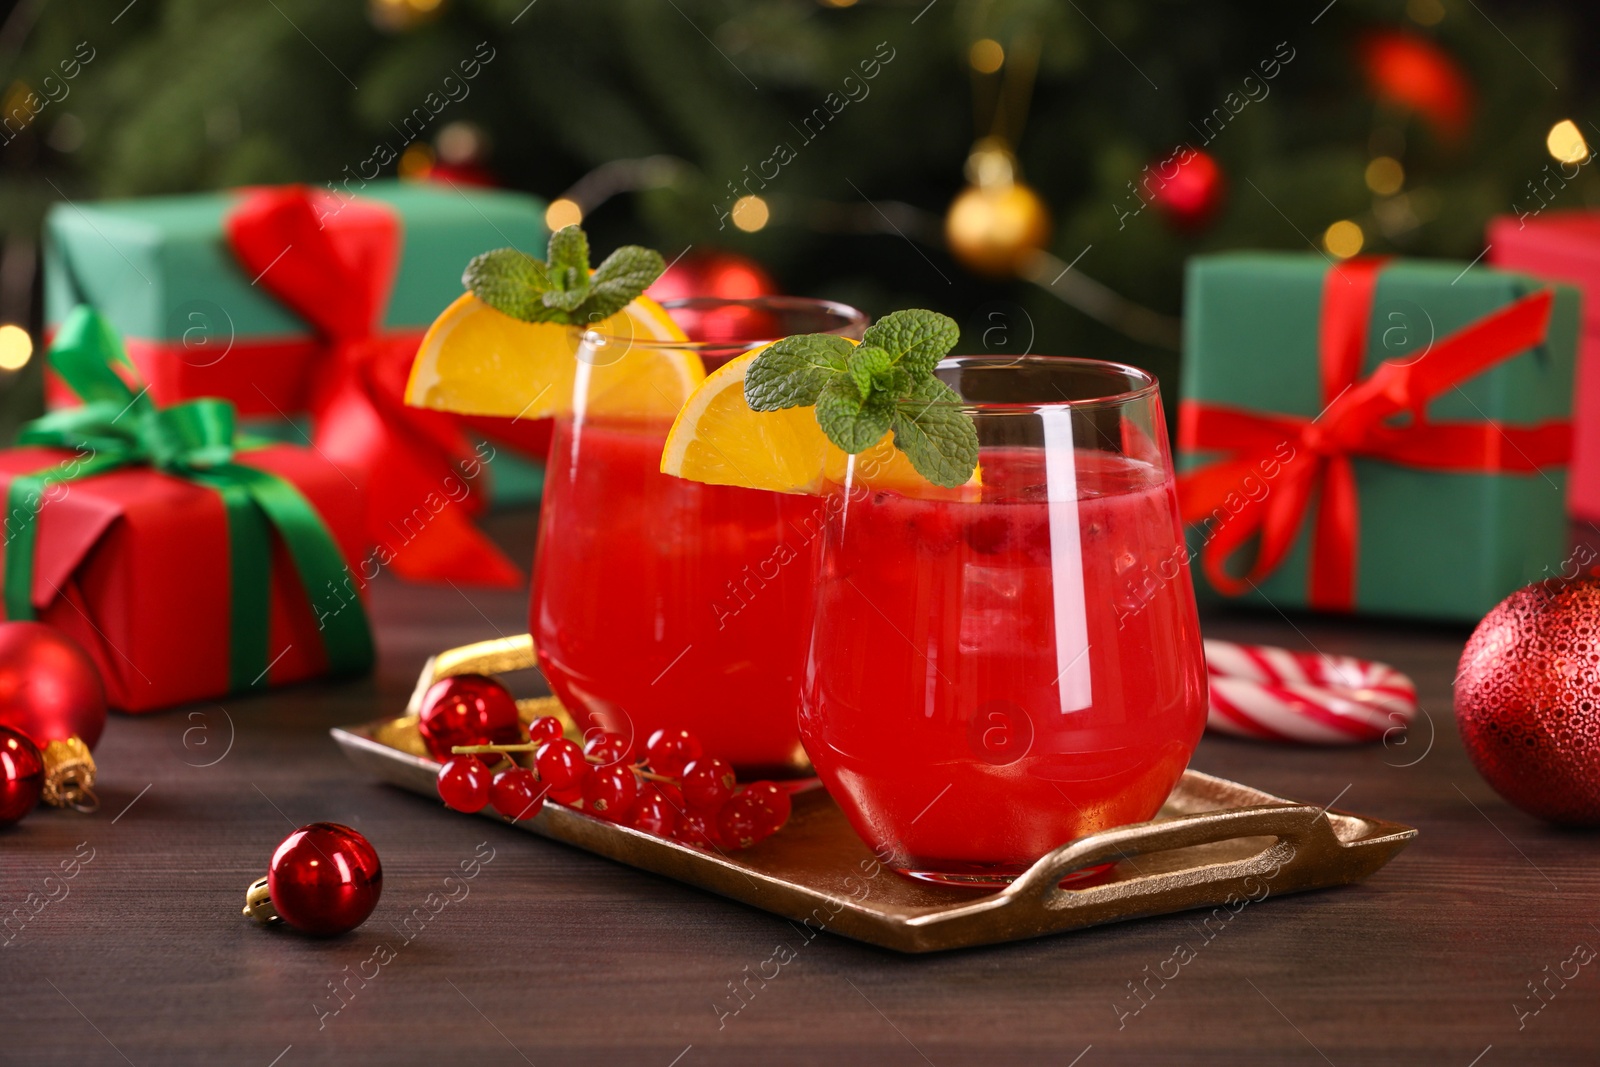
134,565
1565,246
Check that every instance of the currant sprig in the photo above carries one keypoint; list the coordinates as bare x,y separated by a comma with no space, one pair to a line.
672,791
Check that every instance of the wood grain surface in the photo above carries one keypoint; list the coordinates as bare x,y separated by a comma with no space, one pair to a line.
550,956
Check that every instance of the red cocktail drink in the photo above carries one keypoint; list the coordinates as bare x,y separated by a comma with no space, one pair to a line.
999,669
661,602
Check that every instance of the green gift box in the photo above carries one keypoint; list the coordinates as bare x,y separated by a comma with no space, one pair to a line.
1378,436
166,274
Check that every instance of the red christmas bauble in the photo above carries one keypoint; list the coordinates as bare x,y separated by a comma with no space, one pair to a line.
1413,71
49,687
1188,188
1528,700
21,775
325,879
467,709
723,276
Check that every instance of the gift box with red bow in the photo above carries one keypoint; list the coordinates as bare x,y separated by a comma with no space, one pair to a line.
188,562
1565,246
1378,436
293,302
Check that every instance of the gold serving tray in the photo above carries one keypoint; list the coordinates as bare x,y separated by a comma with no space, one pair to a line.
1214,844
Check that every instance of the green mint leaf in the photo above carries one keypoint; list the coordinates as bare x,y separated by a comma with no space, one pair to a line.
895,381
562,290
865,364
793,372
564,303
851,420
914,339
625,274
569,260
509,281
938,438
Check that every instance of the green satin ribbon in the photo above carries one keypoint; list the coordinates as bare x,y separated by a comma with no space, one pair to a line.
195,440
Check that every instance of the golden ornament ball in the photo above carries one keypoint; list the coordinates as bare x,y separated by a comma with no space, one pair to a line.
993,229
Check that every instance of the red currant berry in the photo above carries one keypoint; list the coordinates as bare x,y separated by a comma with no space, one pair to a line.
670,751
569,796
697,829
653,813
774,797
561,764
517,793
707,784
544,728
607,749
746,820
467,709
464,783
672,795
610,792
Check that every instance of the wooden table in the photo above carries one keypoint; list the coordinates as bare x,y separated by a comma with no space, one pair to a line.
557,957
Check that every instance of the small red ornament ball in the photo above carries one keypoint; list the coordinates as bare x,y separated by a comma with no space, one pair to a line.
21,775
49,687
325,879
1188,189
1415,72
1528,700
718,276
467,709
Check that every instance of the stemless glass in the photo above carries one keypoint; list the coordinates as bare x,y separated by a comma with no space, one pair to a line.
661,602
998,669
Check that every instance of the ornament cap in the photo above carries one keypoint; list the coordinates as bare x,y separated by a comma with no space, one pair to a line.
69,774
258,903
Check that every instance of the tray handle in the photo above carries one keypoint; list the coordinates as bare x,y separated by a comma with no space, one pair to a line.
1303,834
498,656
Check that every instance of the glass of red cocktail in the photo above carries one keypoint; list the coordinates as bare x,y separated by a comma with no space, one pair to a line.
1002,667
665,603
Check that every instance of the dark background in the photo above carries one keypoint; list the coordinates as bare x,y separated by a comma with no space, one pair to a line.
193,94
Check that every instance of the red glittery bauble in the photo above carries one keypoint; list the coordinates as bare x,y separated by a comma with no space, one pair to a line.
21,775
325,879
1528,700
467,709
49,687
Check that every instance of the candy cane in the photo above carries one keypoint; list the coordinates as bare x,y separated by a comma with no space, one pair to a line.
1303,697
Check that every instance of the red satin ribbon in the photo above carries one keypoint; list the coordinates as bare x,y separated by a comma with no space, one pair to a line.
1313,457
406,461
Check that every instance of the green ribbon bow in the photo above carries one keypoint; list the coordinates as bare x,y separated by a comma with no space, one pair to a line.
194,440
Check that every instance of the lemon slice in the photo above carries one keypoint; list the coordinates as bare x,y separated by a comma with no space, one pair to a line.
475,360
719,439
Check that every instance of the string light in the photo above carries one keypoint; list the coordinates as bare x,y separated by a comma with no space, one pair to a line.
563,213
415,161
16,347
1385,176
750,213
1343,239
986,56
1566,143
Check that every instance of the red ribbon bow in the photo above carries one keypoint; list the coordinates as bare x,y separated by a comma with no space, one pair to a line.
408,462
1315,455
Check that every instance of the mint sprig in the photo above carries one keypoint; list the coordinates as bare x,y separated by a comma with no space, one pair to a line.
562,289
862,392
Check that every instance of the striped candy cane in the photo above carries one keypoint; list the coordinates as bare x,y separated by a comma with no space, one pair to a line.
1305,698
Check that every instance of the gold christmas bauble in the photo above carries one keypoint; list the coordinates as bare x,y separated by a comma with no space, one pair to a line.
993,229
